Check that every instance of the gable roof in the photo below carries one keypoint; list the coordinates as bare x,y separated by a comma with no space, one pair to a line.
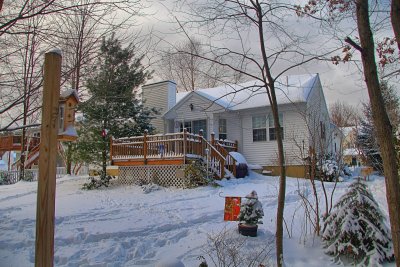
64,95
289,89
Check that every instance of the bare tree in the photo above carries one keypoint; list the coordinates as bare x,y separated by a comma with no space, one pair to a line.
188,69
15,12
362,12
16,23
343,114
277,52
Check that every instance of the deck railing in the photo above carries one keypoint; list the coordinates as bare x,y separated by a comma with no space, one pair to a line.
175,145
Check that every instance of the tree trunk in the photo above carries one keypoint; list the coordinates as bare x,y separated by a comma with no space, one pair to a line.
282,183
381,122
270,87
69,158
395,17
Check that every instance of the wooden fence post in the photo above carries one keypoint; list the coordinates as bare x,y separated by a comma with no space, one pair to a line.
184,144
201,150
145,146
111,149
213,139
44,253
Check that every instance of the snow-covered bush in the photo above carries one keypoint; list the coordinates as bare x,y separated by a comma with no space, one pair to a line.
330,171
196,174
226,248
95,183
356,231
251,210
148,188
5,178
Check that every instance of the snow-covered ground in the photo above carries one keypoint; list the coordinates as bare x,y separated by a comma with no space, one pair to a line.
123,226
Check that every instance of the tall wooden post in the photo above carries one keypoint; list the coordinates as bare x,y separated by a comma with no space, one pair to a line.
46,193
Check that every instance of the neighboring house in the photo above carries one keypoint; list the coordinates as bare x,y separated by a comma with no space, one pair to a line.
242,113
337,138
352,156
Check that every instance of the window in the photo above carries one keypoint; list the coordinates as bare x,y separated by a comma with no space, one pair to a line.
61,118
187,125
194,126
199,125
222,129
322,126
271,127
259,128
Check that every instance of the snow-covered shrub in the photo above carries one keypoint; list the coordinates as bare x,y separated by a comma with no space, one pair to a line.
148,188
28,176
196,174
251,210
5,178
95,183
226,248
356,231
329,170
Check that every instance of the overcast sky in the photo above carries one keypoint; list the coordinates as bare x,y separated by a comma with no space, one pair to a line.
340,82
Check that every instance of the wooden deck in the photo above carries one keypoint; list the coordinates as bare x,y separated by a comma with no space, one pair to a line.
173,149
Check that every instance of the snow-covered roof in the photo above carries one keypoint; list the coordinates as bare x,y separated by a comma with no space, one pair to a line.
70,131
289,89
346,130
67,93
351,152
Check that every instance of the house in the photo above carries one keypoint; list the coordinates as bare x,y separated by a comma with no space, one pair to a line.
352,155
241,113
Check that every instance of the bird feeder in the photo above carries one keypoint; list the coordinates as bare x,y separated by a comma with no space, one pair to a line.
66,115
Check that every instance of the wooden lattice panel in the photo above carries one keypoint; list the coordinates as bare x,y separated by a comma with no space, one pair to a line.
164,175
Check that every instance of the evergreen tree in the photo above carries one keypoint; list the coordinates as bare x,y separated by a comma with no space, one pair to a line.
251,210
113,109
366,136
356,231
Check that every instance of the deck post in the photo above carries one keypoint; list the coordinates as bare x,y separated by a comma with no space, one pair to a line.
184,144
213,139
145,146
236,145
201,152
111,149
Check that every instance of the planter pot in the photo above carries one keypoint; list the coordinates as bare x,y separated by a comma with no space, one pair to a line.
248,229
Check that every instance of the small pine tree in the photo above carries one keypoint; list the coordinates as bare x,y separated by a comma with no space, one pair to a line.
251,210
356,229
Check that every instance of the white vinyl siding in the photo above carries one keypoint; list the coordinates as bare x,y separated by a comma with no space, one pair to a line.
266,153
161,96
203,109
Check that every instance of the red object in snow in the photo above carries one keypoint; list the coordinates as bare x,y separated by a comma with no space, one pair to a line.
232,208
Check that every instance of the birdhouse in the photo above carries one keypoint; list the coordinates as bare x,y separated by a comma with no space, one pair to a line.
66,115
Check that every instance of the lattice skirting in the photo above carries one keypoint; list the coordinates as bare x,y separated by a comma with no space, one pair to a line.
164,175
